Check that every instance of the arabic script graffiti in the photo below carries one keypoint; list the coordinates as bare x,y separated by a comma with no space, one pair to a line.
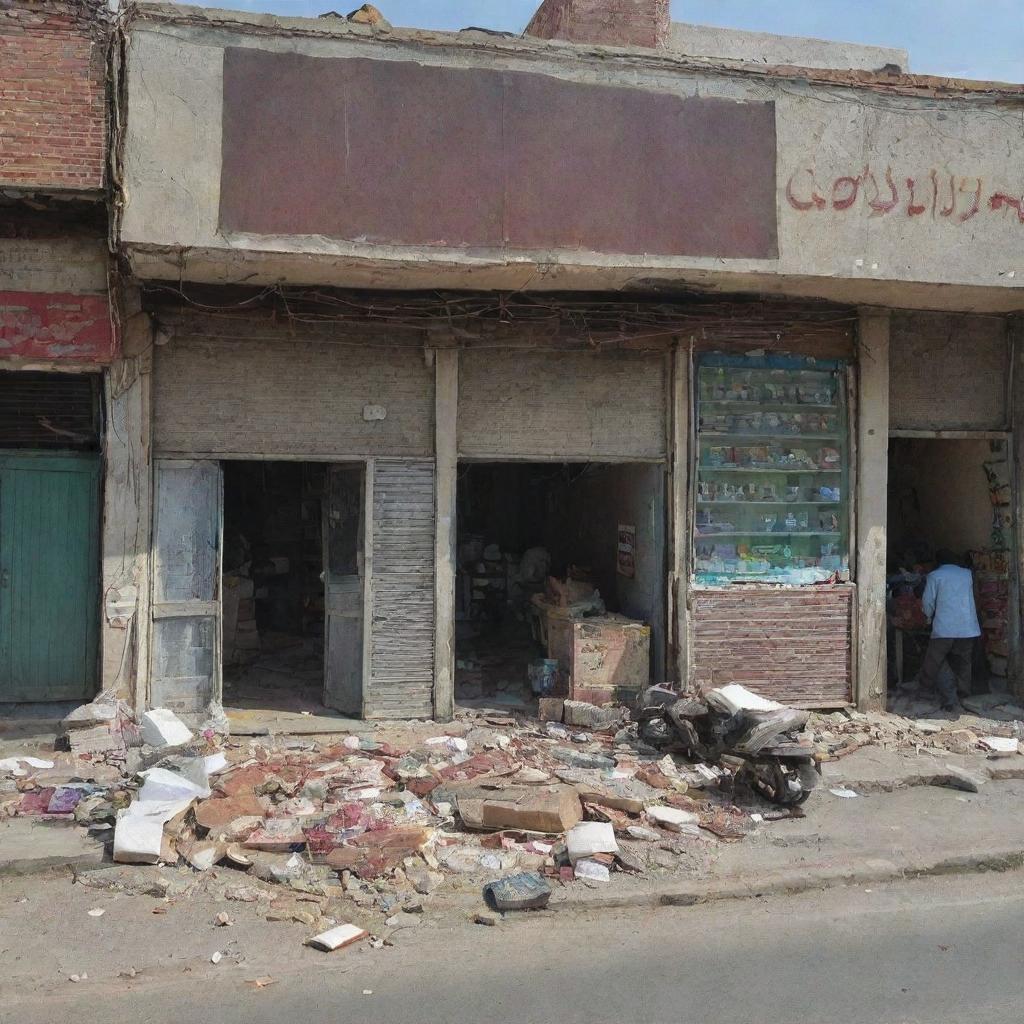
954,197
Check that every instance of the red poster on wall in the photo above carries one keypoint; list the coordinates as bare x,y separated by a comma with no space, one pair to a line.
626,560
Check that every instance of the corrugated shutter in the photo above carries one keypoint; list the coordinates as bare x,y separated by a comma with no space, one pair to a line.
791,645
50,410
516,404
948,372
290,399
401,677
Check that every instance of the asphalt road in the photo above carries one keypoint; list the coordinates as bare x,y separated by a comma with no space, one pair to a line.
926,952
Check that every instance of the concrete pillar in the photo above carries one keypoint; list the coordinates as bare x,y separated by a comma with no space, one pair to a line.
679,503
127,515
446,371
872,498
1015,668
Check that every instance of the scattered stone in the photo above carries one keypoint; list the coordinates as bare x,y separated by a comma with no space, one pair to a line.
423,880
672,818
488,918
589,716
581,759
550,709
646,835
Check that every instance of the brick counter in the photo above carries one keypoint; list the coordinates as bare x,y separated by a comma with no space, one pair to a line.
791,645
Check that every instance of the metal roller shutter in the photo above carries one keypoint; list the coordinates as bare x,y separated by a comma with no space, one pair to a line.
577,406
948,372
290,399
401,677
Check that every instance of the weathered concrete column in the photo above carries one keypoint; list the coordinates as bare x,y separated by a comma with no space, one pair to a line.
1015,668
679,584
446,376
872,506
127,505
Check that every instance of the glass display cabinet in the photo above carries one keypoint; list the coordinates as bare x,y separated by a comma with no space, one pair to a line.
772,495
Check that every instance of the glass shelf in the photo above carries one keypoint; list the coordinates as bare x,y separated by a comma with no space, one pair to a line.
756,517
770,406
763,469
752,435
760,503
766,533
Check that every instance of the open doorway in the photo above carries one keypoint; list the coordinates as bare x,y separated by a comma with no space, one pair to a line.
540,545
273,592
953,495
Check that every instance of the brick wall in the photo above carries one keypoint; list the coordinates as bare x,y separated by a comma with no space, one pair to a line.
605,22
790,645
52,100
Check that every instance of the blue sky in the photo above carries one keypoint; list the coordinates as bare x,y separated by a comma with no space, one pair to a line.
963,38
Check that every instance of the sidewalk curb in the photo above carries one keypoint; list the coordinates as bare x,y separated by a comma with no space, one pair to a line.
794,882
22,867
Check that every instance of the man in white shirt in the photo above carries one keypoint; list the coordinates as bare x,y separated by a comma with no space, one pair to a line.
949,604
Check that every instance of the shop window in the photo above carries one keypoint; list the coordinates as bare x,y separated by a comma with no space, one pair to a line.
772,470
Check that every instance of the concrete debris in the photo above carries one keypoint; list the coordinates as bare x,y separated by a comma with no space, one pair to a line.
526,891
671,818
841,733
591,871
1001,746
163,728
588,838
589,716
369,15
361,826
961,778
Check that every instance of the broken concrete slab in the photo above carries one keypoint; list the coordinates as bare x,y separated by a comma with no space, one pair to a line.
582,715
219,812
629,795
961,778
493,806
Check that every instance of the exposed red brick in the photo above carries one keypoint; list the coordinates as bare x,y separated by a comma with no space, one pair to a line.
52,94
604,22
791,645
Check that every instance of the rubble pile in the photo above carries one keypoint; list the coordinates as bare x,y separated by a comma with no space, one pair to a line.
985,719
318,830
324,831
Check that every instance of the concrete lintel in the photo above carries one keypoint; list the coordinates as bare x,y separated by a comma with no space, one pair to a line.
343,265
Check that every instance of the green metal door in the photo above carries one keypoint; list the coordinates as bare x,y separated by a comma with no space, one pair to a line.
49,576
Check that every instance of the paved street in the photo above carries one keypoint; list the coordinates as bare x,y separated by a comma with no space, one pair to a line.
929,952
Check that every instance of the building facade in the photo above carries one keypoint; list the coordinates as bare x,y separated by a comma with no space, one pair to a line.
58,345
405,302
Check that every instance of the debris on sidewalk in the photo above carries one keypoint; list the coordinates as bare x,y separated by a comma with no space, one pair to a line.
163,728
961,778
337,938
383,824
526,891
1001,746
